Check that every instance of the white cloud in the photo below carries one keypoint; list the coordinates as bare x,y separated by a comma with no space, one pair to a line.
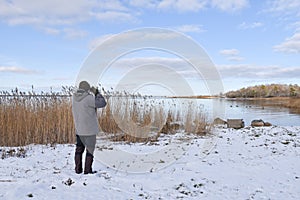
143,3
290,45
59,17
41,11
97,41
24,20
177,65
190,28
296,25
231,54
49,13
248,71
141,35
182,5
14,69
289,12
196,5
113,16
135,72
229,5
253,25
285,7
235,58
69,33
73,33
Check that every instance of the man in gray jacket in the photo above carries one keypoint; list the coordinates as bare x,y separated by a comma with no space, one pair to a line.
85,102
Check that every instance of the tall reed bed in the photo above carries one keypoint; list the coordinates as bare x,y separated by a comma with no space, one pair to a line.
133,117
27,118
137,118
46,118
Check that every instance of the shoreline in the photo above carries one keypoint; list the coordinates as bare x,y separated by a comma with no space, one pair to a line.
288,102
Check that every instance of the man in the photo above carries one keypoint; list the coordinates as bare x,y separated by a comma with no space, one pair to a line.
84,108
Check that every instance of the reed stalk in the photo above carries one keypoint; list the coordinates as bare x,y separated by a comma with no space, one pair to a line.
46,118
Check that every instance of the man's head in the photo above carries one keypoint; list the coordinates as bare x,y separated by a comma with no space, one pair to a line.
84,85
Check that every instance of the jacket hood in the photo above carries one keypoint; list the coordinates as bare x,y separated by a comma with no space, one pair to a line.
80,94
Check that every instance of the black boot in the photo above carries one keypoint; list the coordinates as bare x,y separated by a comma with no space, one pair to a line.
88,164
78,159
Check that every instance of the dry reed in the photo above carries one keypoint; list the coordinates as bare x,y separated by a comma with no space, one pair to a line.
35,118
46,118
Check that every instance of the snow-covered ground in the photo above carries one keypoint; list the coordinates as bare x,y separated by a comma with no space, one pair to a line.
249,163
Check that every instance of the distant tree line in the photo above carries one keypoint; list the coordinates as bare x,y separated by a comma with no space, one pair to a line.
265,91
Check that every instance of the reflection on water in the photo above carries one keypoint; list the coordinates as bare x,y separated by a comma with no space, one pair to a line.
249,110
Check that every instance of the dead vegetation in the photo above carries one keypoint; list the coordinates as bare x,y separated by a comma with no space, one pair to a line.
46,118
293,103
35,118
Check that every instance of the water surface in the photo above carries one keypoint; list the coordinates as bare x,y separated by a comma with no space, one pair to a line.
250,110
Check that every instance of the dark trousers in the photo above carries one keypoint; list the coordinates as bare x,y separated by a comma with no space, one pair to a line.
82,143
87,142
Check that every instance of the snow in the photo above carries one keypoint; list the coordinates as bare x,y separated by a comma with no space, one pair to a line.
248,163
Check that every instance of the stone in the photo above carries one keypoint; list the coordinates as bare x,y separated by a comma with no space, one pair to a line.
235,123
219,121
257,123
267,124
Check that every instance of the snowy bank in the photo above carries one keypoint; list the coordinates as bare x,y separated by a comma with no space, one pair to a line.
249,163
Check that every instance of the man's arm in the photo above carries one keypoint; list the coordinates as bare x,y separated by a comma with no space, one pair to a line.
99,101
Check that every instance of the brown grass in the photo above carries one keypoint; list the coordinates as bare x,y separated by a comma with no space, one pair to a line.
293,103
288,102
47,118
35,119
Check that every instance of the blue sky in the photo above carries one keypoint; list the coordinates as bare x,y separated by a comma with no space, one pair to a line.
44,43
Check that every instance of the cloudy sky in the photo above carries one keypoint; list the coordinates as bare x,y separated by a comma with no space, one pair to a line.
44,43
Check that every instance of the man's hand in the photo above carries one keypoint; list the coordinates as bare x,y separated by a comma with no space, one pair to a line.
94,90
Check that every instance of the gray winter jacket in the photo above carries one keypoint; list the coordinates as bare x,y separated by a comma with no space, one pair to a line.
84,107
